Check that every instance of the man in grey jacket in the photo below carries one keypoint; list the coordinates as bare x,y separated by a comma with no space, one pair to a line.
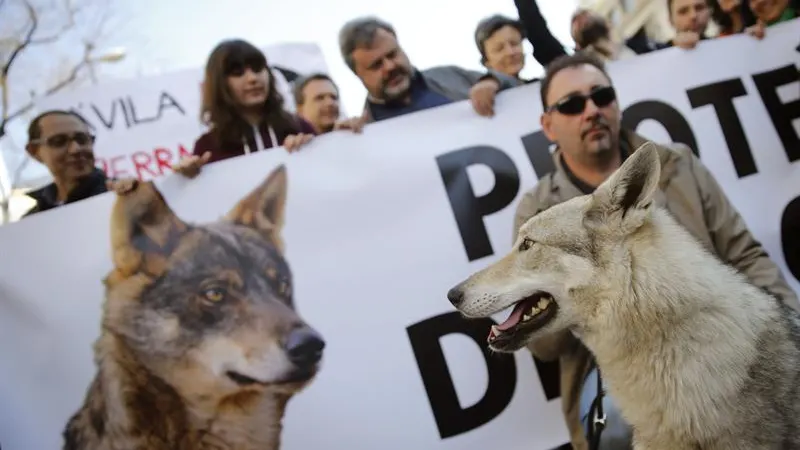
370,48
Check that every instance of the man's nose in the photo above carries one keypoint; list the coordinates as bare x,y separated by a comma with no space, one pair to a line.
591,108
73,147
389,65
330,101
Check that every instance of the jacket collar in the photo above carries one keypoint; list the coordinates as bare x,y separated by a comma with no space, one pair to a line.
47,196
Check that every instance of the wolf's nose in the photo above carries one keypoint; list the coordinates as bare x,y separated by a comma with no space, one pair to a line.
456,296
304,346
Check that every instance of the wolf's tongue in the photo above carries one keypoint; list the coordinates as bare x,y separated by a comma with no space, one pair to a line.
516,315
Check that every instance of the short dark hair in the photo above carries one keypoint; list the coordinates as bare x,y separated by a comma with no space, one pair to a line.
489,26
35,129
579,58
360,33
300,84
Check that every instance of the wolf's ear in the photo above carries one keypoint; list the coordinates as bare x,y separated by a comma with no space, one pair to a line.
144,231
263,209
626,196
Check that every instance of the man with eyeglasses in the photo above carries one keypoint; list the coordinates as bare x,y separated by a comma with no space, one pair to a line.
61,140
582,117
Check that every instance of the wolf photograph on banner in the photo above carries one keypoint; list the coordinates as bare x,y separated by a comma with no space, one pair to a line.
201,343
378,226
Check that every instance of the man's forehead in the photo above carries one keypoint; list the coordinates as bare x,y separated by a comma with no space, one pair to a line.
576,79
320,86
61,122
383,42
683,4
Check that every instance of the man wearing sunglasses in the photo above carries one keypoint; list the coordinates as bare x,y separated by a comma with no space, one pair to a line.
61,140
583,118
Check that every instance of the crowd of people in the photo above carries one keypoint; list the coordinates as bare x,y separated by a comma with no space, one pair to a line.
245,113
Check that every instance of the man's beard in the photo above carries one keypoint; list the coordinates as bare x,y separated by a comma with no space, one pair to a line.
396,96
602,153
599,151
80,165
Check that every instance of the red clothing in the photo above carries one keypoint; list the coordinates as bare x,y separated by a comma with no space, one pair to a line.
207,142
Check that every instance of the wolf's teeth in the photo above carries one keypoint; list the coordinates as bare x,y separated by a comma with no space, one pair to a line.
534,311
543,302
496,331
526,317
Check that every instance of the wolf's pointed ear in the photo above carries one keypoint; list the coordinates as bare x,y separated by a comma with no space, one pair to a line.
263,209
144,231
625,197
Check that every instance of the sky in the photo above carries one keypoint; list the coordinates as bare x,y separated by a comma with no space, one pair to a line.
161,36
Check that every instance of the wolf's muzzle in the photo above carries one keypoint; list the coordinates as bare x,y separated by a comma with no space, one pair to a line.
456,296
304,347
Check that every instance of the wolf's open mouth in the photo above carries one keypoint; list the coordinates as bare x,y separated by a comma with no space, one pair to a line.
530,313
299,376
242,380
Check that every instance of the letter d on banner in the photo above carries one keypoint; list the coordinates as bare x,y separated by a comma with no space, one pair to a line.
451,419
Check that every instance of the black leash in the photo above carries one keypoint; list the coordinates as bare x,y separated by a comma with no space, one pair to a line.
597,417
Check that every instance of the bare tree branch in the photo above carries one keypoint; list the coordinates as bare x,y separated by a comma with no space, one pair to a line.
73,74
6,116
64,82
55,36
71,11
4,113
12,116
25,42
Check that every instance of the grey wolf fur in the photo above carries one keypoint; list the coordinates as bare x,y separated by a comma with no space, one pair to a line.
694,355
201,346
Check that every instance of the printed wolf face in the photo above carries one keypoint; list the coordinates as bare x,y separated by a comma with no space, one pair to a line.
567,260
209,308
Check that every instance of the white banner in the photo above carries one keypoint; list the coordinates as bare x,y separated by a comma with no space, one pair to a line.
378,227
144,125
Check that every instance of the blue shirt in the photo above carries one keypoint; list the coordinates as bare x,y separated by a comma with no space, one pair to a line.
422,97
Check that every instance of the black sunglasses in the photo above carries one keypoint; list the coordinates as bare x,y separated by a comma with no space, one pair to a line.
576,103
62,140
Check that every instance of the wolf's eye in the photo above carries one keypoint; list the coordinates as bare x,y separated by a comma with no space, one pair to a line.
214,294
526,244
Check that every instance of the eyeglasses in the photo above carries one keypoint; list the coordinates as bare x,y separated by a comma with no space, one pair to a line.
62,140
575,104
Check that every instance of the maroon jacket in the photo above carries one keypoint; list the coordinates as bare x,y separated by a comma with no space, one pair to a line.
207,143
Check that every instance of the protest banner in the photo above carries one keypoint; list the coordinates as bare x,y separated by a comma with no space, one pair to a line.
380,225
145,125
